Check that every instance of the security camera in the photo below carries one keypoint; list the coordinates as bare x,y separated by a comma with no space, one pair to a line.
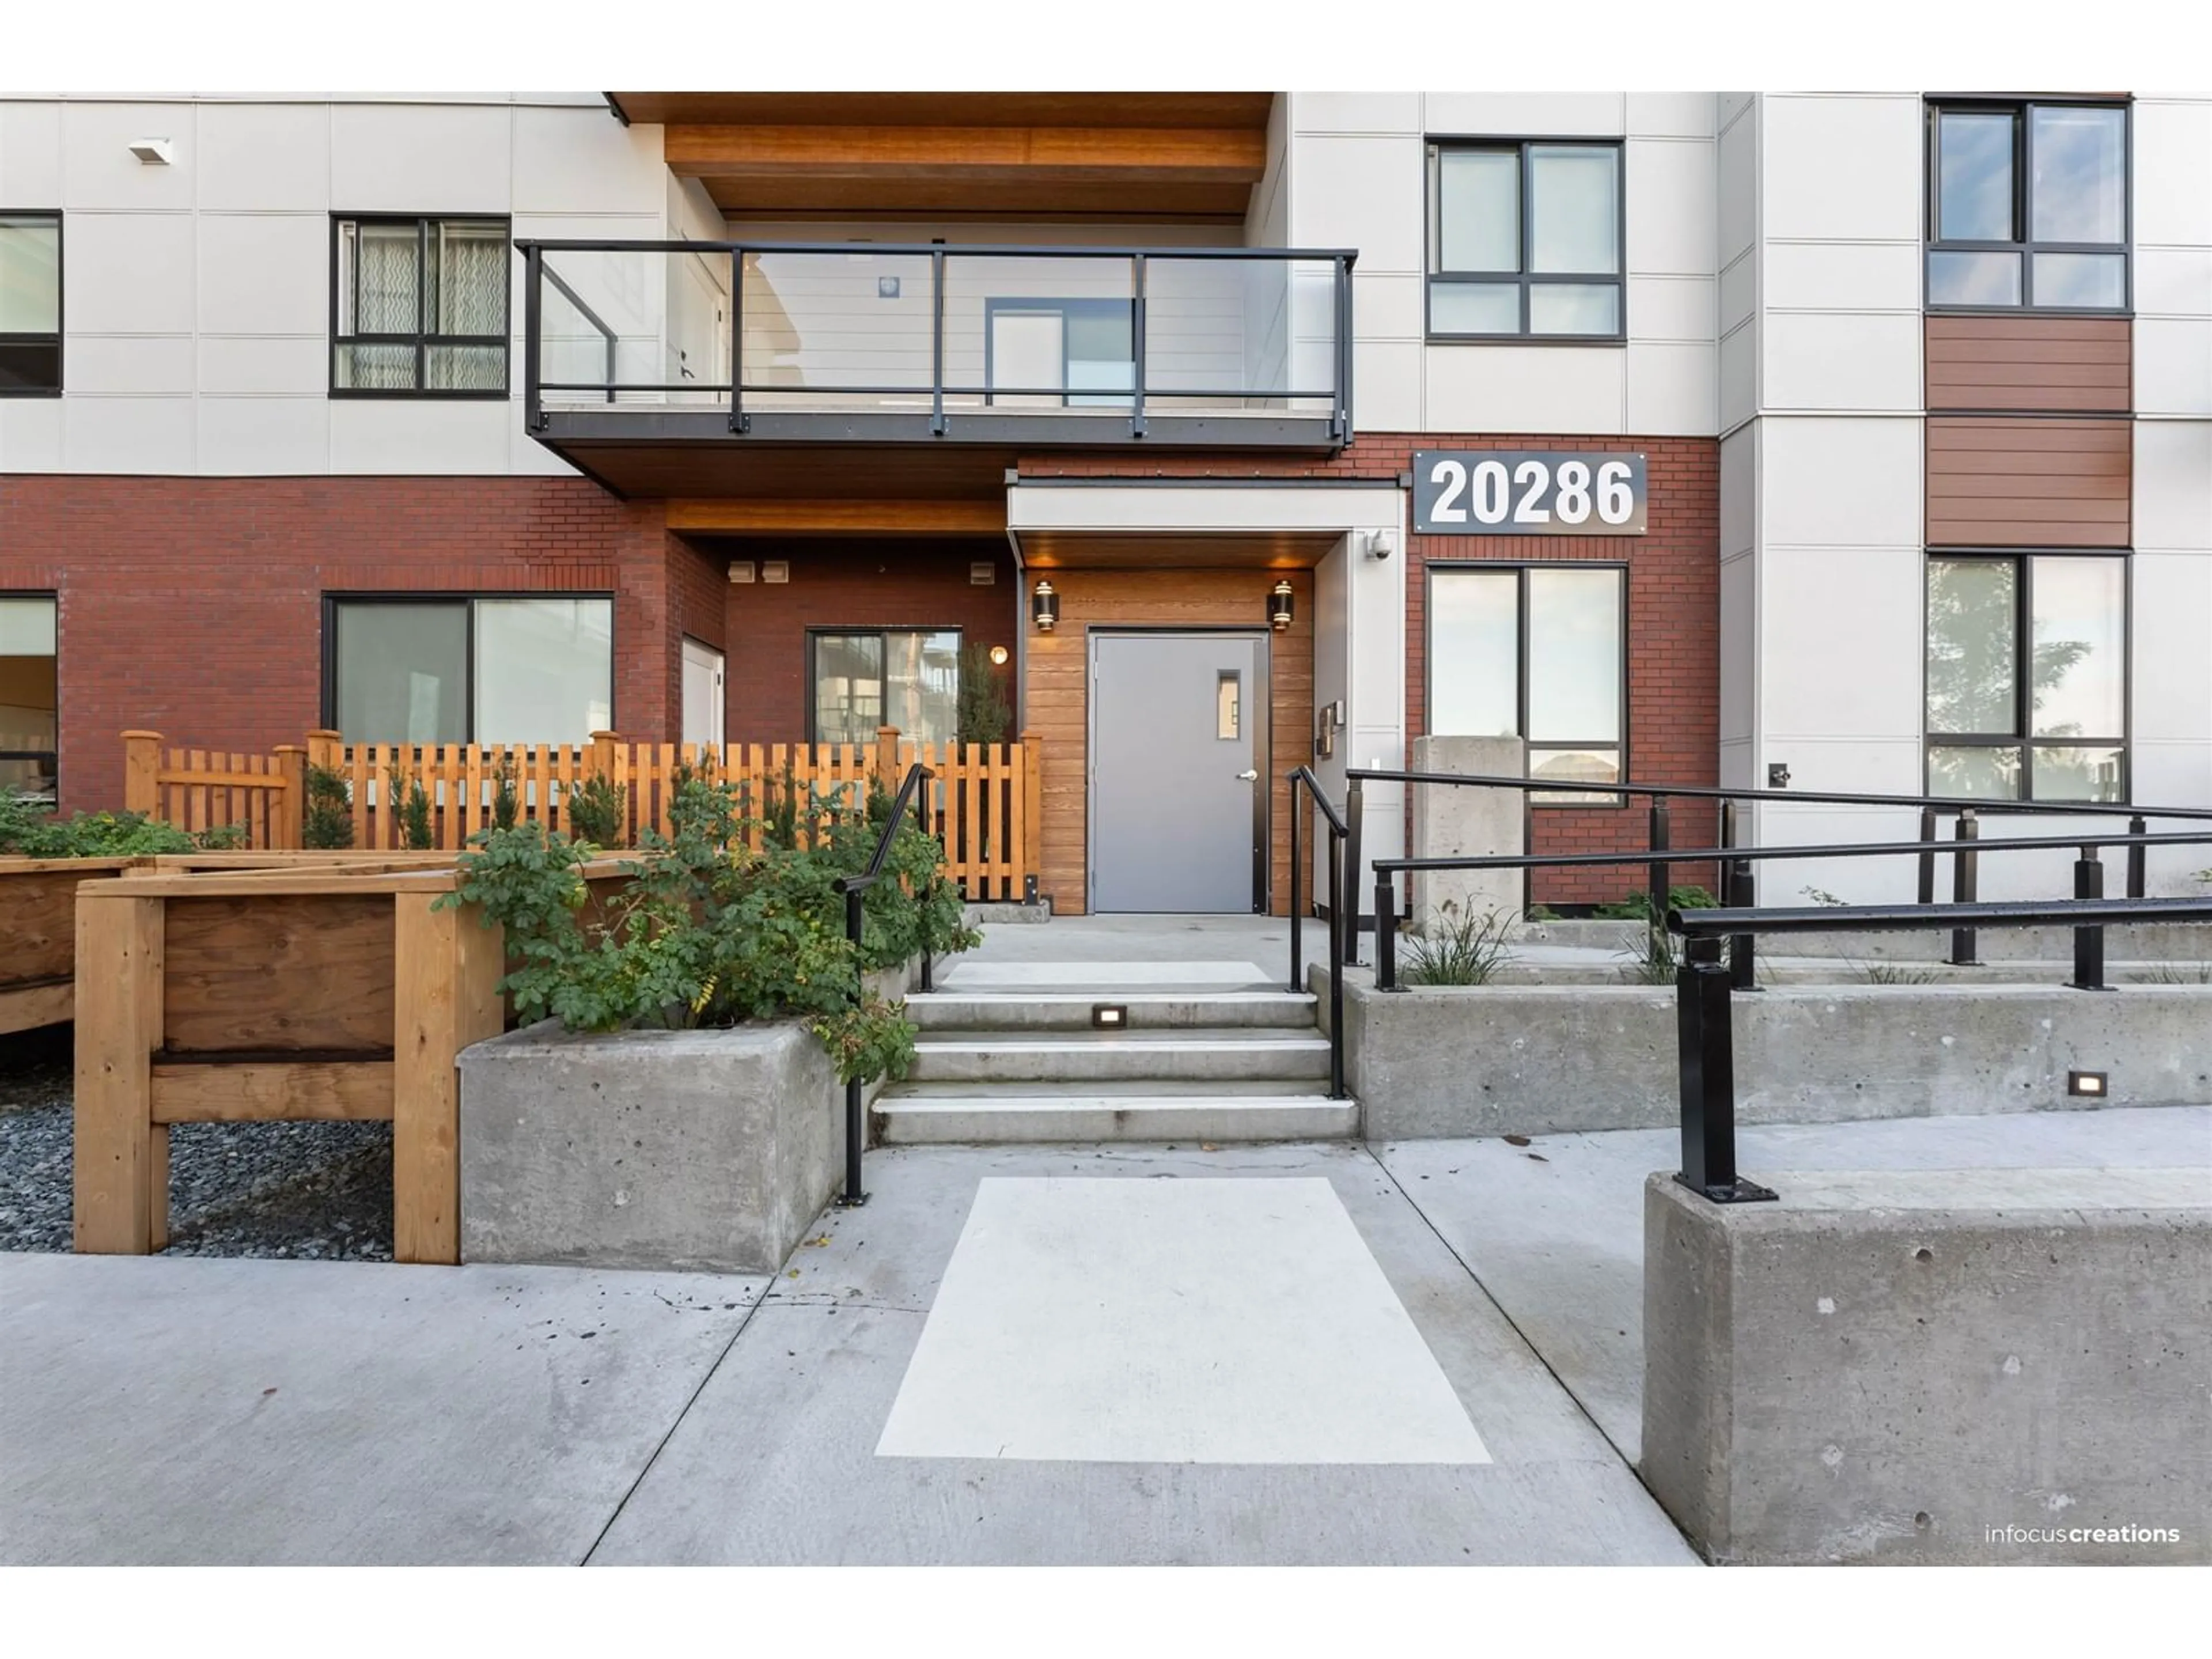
1378,543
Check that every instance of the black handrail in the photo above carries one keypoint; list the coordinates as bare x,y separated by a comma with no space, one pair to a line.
855,887
1305,776
1338,395
1706,1054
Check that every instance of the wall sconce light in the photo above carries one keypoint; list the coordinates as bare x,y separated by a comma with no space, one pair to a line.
1282,606
1044,607
998,656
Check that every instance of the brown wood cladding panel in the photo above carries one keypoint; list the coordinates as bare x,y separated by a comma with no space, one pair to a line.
283,971
2028,482
2030,363
1056,707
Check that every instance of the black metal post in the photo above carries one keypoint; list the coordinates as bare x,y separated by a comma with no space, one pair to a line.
2136,858
1386,934
1660,835
1297,892
736,339
533,269
937,343
1927,859
1706,1060
2089,942
1137,375
1963,875
1337,923
856,1125
921,823
1355,812
1737,890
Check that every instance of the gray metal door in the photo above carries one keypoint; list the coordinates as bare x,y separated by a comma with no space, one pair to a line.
1178,798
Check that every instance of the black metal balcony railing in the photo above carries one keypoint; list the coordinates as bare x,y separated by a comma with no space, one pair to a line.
627,340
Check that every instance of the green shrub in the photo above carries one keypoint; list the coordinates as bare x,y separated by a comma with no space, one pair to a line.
598,810
28,831
404,796
505,796
1457,948
981,713
326,813
1651,959
707,933
1637,907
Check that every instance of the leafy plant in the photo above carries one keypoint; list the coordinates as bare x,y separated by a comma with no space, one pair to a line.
506,795
1651,959
28,831
1542,912
326,811
1458,948
598,810
405,797
2174,973
1874,973
1637,907
706,931
981,712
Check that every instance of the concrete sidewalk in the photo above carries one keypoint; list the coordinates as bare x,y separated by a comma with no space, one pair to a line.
1427,1352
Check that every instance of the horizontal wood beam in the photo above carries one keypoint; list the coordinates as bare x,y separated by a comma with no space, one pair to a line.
1055,155
757,516
352,1092
27,1007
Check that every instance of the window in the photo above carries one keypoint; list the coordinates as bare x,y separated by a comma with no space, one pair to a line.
30,700
537,670
418,307
30,304
2027,675
1525,240
1532,652
858,681
1034,346
2028,206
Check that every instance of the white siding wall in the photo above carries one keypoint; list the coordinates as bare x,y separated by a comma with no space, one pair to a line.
2173,565
1358,178
197,297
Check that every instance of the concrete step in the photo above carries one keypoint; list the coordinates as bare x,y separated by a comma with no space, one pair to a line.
1071,1011
1201,1054
1074,1116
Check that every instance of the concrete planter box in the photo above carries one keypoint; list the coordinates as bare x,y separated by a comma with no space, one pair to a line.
1439,1061
2175,942
708,1150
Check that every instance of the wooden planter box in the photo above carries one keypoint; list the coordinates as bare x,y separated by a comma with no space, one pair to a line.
336,992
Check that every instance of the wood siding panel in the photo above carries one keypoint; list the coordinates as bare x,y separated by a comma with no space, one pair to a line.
279,971
1056,708
2029,363
2027,483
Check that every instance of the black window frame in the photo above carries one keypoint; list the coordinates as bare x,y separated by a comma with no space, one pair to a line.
52,757
421,339
469,599
61,303
1524,279
1520,569
2023,560
2023,185
815,631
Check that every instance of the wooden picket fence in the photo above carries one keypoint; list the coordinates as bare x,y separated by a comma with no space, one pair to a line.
982,800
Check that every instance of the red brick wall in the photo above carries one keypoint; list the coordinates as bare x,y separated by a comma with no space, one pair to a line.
1673,619
840,584
193,606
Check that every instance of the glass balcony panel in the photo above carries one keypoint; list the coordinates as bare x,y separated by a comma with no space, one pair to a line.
837,331
634,326
1049,332
1254,335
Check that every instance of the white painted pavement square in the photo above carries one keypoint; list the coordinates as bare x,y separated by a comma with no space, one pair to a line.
1172,1320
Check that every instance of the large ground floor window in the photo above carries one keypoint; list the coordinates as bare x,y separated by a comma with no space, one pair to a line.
2027,675
860,679
531,670
1534,651
30,695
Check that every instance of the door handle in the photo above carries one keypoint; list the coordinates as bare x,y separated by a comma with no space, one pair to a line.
1248,777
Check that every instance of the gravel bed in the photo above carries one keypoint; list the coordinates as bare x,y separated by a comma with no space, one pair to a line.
316,1191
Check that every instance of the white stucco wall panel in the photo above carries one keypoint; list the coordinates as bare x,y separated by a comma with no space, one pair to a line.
2173,649
1841,168
30,434
1671,201
264,158
31,155
1363,192
1526,114
402,435
128,273
1843,276
252,436
1532,388
1386,386
2173,366
1842,361
1355,112
2174,172
1662,307
124,365
1672,114
1840,482
100,174
263,366
428,158
2173,485
1840,643
263,273
570,160
128,434
1671,387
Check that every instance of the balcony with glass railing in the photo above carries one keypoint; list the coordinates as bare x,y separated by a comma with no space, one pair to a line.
630,343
